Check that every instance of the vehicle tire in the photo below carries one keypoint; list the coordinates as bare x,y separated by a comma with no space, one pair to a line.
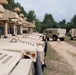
61,39
54,38
47,39
71,38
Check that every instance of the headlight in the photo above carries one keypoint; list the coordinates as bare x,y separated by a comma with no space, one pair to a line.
30,54
33,55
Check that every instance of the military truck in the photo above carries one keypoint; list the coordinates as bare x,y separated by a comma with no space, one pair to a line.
72,33
55,33
28,48
41,35
39,44
11,63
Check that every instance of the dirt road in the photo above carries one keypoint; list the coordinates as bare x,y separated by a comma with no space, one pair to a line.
67,51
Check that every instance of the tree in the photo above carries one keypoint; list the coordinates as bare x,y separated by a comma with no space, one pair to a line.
62,24
74,21
11,5
38,25
31,16
69,26
43,27
48,20
23,11
55,25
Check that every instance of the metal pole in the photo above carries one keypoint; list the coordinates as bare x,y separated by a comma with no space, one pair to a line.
38,65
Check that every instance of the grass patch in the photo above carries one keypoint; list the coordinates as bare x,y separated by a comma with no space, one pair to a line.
55,64
72,42
67,38
52,54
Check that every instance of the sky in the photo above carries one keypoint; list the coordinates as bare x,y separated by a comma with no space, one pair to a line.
60,9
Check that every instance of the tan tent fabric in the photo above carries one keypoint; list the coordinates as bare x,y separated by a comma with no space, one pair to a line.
32,25
14,20
20,19
17,9
29,25
24,21
1,15
13,15
9,15
21,15
1,9
26,25
3,2
5,15
19,23
25,18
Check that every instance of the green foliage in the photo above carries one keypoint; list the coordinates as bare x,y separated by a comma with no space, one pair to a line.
55,25
43,27
48,21
31,16
11,5
74,21
62,24
38,25
69,26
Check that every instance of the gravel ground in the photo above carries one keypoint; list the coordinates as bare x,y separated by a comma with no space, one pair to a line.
67,51
56,64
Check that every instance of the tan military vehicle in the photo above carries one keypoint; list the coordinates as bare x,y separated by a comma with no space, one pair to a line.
55,33
28,46
41,35
72,33
11,63
28,49
39,43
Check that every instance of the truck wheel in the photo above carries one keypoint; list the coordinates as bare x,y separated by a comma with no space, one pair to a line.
55,38
71,38
47,39
61,39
